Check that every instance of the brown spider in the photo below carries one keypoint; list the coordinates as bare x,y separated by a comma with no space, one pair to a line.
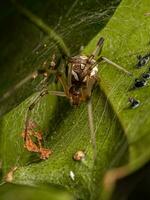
77,86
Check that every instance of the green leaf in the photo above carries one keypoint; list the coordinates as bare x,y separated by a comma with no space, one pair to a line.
26,192
121,132
127,35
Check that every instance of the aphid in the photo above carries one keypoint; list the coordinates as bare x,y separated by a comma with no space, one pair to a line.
79,155
77,83
140,83
146,75
142,60
134,103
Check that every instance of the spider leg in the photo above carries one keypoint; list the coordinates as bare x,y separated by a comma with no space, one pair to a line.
69,75
44,71
97,52
29,131
91,126
63,83
102,58
59,75
98,49
29,77
90,84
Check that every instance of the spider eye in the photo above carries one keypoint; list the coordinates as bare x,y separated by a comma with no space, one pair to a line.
82,66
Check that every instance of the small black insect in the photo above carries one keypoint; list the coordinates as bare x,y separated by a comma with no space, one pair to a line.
142,60
133,102
146,75
140,83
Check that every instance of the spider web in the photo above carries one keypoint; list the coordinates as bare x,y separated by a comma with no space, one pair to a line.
80,21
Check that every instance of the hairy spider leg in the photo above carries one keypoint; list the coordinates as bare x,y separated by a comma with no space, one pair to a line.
28,132
29,77
115,65
29,129
69,75
91,126
97,52
90,84
59,75
99,47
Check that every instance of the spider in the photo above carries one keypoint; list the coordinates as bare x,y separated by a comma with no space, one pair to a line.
77,83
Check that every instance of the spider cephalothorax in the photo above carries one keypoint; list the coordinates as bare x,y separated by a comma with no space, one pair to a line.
82,67
83,71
